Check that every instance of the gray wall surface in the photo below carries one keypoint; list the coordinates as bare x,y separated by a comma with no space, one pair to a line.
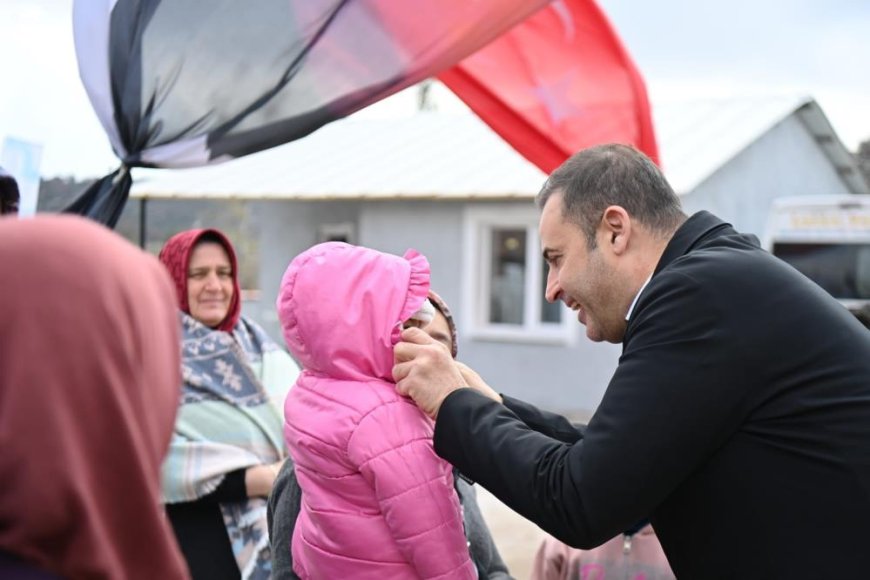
289,228
785,161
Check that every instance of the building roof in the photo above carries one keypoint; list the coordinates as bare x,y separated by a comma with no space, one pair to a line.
434,155
426,155
697,138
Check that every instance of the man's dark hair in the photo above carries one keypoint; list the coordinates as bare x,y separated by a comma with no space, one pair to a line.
606,175
9,196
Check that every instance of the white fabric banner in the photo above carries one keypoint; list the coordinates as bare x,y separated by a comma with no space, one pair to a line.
91,32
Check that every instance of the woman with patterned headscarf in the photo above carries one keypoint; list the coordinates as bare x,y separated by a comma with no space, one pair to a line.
228,443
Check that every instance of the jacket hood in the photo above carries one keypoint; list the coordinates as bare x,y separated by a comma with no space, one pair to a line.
341,308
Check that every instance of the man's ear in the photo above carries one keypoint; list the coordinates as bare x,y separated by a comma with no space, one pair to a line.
616,229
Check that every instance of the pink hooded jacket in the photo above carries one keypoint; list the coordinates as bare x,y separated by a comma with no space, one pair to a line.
377,502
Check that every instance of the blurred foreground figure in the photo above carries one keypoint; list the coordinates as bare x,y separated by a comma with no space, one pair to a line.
637,556
89,382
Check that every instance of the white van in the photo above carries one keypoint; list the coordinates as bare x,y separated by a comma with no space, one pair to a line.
827,238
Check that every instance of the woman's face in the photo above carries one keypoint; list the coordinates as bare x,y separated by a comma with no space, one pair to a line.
209,283
440,330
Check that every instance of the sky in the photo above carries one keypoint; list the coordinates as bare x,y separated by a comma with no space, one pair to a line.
684,48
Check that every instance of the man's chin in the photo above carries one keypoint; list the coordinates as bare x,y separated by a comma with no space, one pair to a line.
594,335
598,335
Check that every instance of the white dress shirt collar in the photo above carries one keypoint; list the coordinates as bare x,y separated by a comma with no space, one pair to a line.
636,296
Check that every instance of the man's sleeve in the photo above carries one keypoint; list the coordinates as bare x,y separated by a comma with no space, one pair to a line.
675,398
550,424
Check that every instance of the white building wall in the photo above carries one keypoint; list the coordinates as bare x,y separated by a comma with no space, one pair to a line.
287,229
785,161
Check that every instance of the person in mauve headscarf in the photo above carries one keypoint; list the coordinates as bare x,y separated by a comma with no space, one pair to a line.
89,383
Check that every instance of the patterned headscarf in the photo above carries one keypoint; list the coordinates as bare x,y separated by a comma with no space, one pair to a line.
175,255
439,303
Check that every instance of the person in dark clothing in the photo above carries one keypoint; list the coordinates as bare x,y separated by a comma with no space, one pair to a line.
9,194
738,418
286,497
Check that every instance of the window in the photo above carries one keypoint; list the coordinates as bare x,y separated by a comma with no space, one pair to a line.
342,232
505,278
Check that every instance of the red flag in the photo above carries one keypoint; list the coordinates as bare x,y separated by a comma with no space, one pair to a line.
556,83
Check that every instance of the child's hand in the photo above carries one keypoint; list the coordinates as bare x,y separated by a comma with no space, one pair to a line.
475,381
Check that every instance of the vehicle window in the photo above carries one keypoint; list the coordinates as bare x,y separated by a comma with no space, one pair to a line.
841,269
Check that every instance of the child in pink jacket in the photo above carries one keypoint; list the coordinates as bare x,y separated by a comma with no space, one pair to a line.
377,501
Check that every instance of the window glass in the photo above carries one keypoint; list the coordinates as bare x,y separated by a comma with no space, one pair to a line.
508,275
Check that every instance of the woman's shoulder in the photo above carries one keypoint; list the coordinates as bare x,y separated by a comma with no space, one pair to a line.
252,330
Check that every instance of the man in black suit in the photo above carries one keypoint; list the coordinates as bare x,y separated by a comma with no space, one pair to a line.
738,419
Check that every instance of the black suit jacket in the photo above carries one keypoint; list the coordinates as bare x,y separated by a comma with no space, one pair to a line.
738,419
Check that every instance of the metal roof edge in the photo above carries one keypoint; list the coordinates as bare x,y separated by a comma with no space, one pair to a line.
818,125
378,196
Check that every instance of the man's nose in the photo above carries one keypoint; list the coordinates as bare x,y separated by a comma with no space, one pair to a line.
553,291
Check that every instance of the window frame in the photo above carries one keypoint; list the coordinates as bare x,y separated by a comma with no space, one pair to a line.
479,223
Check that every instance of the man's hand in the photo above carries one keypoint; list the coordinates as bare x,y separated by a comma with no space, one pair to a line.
475,381
425,371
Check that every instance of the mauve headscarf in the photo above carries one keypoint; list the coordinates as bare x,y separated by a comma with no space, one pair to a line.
175,255
89,387
439,303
